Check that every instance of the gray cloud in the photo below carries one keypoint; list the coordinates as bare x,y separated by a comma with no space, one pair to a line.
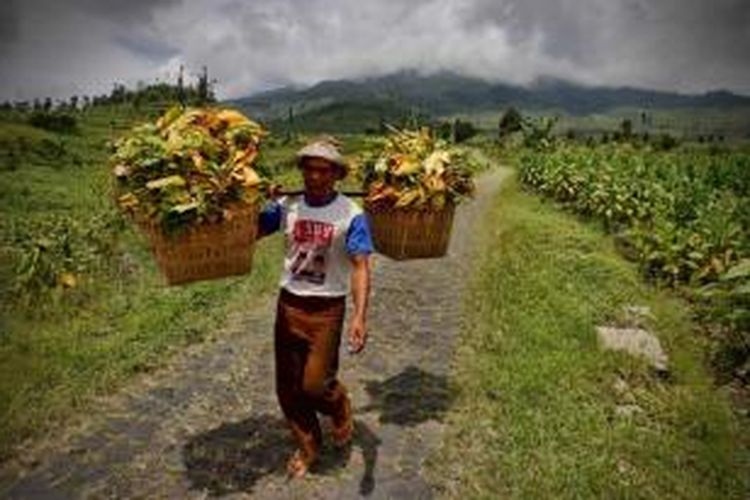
8,23
128,12
86,45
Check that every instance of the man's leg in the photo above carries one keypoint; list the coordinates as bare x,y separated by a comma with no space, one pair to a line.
291,352
325,392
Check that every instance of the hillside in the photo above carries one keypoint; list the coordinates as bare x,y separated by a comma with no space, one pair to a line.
445,93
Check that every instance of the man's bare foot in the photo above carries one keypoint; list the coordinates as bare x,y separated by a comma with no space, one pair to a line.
298,465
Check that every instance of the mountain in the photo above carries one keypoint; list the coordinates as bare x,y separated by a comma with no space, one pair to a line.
363,103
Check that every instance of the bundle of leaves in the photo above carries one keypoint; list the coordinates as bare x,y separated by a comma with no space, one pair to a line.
418,171
191,166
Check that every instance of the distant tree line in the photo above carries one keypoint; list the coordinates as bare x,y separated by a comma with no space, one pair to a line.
537,133
60,115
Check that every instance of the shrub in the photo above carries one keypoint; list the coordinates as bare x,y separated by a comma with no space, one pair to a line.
54,121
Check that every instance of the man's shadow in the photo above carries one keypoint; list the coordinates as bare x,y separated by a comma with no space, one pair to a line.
233,457
410,398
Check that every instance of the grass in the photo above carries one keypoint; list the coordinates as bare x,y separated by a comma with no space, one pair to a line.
538,408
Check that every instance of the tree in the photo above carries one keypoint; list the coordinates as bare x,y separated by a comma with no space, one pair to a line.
511,121
463,130
181,87
537,133
290,125
205,94
627,128
47,106
118,94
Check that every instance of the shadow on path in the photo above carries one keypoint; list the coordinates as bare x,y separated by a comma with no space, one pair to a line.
410,398
234,456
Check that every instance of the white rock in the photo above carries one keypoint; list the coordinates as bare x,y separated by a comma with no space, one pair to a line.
628,411
634,341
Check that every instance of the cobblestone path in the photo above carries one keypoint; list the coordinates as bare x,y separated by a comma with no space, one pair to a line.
209,426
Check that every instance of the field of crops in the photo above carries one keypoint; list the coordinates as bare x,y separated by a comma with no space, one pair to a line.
684,216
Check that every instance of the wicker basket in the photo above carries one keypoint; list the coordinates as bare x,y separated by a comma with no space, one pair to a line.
207,251
411,234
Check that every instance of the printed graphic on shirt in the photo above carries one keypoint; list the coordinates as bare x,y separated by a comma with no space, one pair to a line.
311,241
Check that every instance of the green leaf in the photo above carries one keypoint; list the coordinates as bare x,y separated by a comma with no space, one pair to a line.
697,256
740,270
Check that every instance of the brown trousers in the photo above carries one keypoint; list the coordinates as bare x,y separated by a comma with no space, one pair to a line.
307,336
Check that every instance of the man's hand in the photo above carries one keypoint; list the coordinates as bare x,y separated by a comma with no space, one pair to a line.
357,335
361,292
273,191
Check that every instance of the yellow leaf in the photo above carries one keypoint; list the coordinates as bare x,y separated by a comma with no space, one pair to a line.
436,162
67,280
251,177
232,117
128,200
406,165
169,117
407,198
197,160
172,180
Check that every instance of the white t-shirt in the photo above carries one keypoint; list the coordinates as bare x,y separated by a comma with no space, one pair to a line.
316,260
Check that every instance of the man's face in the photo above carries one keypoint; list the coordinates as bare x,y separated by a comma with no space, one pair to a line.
319,175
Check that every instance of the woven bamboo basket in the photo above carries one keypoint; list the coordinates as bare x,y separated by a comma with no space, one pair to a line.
207,251
405,233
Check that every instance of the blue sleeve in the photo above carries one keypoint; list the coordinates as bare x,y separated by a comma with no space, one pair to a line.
269,218
359,238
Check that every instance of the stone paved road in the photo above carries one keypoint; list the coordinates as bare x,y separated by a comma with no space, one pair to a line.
209,425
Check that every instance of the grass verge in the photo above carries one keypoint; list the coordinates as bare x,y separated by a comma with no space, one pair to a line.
543,413
51,369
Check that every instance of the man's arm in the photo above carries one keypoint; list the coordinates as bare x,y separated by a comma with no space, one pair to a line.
360,281
359,247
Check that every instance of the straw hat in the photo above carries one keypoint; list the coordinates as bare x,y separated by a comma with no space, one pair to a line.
326,148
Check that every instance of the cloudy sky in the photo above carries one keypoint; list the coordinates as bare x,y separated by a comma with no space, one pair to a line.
62,47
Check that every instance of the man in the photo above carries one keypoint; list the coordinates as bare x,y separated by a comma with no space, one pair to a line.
328,245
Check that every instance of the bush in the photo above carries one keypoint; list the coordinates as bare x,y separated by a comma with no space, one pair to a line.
666,142
727,302
54,121
54,254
